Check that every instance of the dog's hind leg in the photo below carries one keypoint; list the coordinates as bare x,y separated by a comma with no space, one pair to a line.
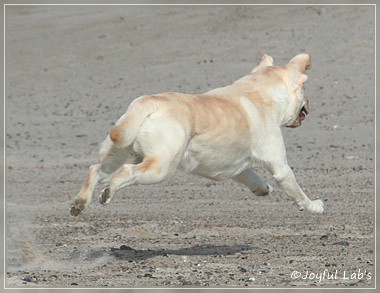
162,150
253,181
83,198
151,170
111,159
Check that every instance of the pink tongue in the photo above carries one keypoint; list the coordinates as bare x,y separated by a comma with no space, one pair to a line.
302,116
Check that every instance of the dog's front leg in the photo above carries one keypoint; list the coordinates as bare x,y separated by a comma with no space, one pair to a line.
286,180
253,181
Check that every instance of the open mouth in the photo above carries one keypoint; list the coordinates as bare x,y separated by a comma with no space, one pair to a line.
302,115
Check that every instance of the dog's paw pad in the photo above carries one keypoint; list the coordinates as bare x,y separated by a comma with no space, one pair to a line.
105,196
77,208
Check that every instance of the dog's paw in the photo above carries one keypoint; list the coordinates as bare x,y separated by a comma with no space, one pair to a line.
314,206
77,207
262,192
105,196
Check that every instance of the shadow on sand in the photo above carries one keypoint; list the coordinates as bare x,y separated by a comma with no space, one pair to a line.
131,254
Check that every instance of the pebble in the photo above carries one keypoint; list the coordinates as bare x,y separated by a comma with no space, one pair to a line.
352,157
324,237
184,258
28,279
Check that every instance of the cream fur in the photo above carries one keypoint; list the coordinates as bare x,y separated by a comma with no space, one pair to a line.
220,134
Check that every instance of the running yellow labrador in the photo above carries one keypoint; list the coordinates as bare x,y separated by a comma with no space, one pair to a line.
220,134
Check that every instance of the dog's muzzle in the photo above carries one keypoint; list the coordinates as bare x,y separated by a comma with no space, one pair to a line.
304,111
301,115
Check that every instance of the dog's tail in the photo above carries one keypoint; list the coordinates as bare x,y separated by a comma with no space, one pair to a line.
128,126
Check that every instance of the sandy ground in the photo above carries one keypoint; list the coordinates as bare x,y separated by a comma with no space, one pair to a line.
72,71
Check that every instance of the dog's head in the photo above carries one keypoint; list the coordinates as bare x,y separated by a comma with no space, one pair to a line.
298,104
285,84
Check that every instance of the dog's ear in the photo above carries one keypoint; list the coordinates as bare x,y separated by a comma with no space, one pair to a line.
265,60
301,62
